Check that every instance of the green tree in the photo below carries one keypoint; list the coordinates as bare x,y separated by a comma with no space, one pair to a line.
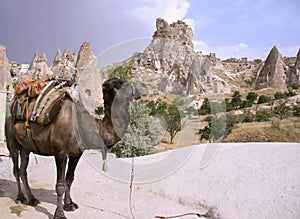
205,107
281,111
236,100
173,121
252,97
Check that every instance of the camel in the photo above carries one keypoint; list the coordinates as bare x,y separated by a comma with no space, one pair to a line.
60,139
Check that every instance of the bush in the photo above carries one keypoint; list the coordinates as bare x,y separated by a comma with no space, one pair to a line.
279,95
99,110
252,96
263,116
248,116
296,111
142,134
264,99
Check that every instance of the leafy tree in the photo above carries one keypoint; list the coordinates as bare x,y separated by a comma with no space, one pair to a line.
281,111
205,107
278,95
236,100
248,116
252,96
217,128
173,121
171,115
264,99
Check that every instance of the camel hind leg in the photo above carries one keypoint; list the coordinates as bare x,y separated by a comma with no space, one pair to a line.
23,174
14,148
15,158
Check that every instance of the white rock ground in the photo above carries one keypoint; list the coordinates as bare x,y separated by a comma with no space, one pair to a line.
244,180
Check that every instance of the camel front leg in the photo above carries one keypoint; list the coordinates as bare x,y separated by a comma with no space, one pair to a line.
61,161
69,204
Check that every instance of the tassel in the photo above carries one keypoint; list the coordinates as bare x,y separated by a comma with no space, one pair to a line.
104,166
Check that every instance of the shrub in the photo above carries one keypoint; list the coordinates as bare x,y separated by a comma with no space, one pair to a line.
264,99
296,111
263,116
278,95
99,110
142,134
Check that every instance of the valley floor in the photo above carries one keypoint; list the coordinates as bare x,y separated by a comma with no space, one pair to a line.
232,180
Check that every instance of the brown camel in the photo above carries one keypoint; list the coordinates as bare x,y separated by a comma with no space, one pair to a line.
66,138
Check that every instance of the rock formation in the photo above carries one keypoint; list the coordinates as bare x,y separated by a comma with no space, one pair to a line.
177,31
293,76
5,79
172,63
273,73
39,69
64,64
88,77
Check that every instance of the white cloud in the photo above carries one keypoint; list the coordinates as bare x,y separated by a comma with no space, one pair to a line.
224,52
242,50
169,10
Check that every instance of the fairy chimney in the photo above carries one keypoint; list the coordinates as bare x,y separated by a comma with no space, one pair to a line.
5,79
273,74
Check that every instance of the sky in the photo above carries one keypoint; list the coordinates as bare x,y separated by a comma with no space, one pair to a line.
229,28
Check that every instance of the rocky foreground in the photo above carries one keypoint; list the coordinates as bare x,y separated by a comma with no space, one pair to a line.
251,180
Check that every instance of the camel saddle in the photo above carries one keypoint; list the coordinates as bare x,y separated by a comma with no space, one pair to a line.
38,101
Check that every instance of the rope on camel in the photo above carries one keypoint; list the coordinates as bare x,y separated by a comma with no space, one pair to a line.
206,215
132,166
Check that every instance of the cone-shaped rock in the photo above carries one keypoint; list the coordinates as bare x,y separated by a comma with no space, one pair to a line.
273,74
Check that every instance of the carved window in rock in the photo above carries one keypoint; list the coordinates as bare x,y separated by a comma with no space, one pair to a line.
88,92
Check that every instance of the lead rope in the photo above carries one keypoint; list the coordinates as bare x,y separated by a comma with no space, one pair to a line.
132,166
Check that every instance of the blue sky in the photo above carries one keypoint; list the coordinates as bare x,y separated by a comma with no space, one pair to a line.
230,28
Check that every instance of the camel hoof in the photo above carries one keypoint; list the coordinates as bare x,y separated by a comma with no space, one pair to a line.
33,202
59,214
70,207
21,199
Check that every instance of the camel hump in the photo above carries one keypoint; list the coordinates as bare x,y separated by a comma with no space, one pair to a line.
43,106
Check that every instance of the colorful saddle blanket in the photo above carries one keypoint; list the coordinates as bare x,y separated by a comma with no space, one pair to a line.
38,101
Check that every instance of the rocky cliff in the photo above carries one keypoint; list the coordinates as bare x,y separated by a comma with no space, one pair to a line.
171,65
293,76
273,73
5,79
